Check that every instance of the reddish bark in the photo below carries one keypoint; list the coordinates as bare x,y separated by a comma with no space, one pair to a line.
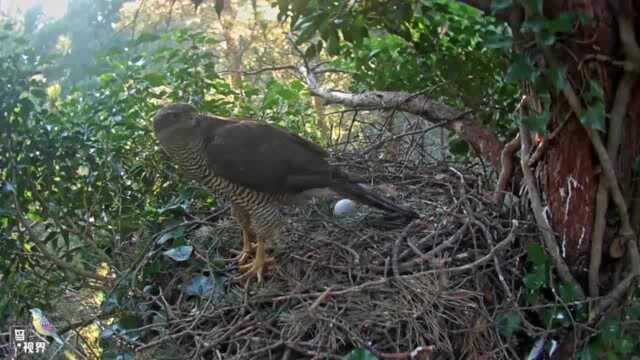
570,176
569,183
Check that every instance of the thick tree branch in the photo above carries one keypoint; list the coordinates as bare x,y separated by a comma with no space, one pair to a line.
484,142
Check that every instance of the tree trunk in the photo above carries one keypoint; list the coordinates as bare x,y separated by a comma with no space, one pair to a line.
569,171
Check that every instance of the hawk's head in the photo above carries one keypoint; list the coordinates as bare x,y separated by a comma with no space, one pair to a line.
175,118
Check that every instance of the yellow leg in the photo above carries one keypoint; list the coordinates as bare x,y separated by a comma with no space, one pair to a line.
248,236
259,263
247,239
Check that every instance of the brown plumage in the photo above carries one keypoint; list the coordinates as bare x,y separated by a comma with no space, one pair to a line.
258,167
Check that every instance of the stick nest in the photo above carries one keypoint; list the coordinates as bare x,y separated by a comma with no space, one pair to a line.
432,288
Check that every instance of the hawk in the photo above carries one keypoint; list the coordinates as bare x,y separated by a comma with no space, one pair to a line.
258,168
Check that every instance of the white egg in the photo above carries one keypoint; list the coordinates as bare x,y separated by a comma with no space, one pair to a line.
343,207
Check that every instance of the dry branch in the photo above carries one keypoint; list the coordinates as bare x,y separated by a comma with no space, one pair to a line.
484,142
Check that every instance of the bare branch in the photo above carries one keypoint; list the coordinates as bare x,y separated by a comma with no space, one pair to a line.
484,142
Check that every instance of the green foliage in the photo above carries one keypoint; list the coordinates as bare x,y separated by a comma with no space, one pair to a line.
508,323
434,47
360,354
283,103
84,169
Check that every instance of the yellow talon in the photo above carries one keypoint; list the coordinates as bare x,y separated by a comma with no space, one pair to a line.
258,265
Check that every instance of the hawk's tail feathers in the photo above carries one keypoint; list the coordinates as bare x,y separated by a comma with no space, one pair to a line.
363,195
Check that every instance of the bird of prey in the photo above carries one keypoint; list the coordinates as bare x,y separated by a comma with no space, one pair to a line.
43,326
258,168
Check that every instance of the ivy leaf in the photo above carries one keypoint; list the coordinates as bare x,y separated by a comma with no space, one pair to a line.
567,292
180,253
203,286
537,122
508,323
624,345
594,116
535,24
536,254
175,234
498,5
595,91
610,329
562,24
360,354
558,78
547,38
535,279
499,42
521,69
636,168
586,354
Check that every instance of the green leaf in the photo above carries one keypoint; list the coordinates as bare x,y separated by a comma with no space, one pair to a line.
535,24
537,122
508,323
499,42
535,279
498,5
595,91
155,78
558,78
333,44
562,24
594,116
567,292
637,166
547,38
180,253
521,69
556,316
625,344
458,147
146,37
634,310
612,356
175,234
610,329
203,286
586,354
536,254
360,354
